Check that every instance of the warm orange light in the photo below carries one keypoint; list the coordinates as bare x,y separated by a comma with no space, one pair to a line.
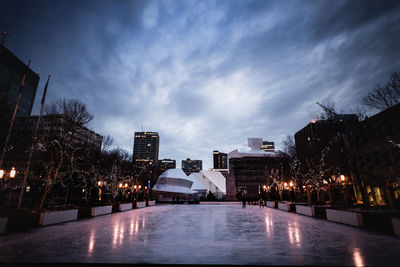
285,184
140,186
291,184
135,186
99,183
1,174
304,186
120,185
12,173
126,185
342,177
145,187
264,186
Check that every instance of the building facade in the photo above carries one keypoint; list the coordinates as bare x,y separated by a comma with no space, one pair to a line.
248,171
191,165
146,149
51,127
374,156
166,164
268,146
11,72
220,160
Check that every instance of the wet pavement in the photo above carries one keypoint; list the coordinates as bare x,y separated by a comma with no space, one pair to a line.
202,234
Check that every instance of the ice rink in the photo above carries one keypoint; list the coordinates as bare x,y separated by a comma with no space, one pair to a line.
202,234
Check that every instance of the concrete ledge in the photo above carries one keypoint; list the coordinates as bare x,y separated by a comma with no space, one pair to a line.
140,204
3,224
58,216
151,203
396,226
101,210
125,206
345,217
271,204
305,210
283,206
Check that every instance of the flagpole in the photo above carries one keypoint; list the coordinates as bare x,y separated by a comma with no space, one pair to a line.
21,87
21,193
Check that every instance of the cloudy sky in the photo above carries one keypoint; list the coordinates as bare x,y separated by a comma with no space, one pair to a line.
205,74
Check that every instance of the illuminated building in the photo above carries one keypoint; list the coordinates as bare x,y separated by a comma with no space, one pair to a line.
268,146
189,166
220,160
145,149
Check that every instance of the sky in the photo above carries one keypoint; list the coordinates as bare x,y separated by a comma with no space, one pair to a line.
205,75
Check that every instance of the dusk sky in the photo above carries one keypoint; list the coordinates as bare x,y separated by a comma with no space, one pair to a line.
205,74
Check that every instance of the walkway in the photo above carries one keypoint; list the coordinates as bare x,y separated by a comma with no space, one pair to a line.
202,234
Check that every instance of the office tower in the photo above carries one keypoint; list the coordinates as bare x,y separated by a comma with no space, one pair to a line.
189,166
220,160
145,149
12,70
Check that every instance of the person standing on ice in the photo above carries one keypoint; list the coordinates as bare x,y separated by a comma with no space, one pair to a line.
244,199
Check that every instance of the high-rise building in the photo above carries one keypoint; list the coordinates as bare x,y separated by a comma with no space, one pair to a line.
166,164
220,160
268,146
12,70
191,165
51,127
145,149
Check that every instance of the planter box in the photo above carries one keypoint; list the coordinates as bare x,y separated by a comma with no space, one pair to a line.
3,224
140,204
345,217
396,226
305,210
283,206
101,210
58,216
151,203
125,206
287,206
271,204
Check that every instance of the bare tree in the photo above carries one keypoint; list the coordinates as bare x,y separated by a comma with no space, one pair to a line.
57,146
383,97
328,110
289,146
107,143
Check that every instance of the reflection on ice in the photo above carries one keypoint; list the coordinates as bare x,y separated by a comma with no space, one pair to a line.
358,260
294,234
268,226
91,243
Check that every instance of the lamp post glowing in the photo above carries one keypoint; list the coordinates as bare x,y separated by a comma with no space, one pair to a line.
342,178
1,174
12,172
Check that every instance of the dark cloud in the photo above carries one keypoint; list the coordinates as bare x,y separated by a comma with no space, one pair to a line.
205,74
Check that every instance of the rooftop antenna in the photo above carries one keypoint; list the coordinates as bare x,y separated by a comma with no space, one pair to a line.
142,128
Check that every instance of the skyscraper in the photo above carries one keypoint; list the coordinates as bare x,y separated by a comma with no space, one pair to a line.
166,164
220,160
145,148
12,70
191,165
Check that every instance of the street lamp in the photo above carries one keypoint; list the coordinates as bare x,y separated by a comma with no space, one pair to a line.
342,177
3,173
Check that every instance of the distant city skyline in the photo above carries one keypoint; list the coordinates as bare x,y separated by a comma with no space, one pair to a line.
205,75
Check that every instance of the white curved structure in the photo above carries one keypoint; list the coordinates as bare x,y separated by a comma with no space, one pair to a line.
174,184
197,186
